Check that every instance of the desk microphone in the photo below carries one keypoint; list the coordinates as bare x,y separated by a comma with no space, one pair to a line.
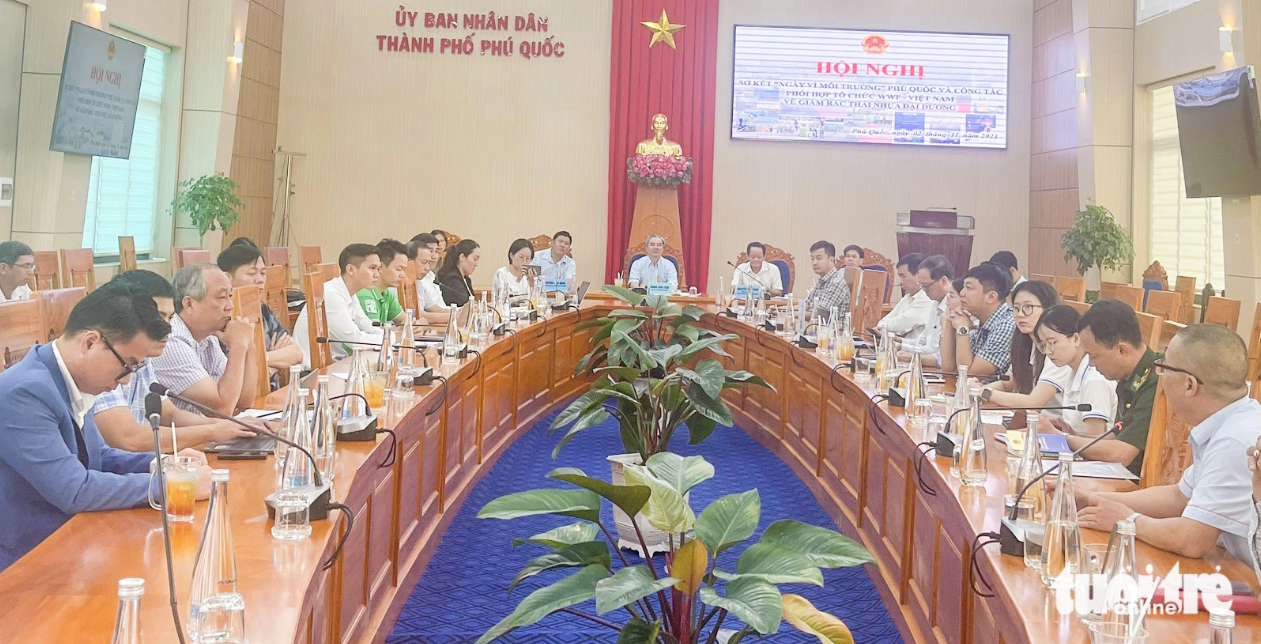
319,495
1012,535
153,410
946,446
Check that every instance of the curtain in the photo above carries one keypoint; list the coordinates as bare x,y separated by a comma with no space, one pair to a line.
679,84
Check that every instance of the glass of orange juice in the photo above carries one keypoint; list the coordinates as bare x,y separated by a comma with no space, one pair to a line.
374,388
845,350
180,473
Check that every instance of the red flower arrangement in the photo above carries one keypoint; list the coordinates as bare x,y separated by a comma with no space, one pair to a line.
659,169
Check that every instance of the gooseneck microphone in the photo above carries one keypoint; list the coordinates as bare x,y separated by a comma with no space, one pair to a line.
319,495
153,411
766,291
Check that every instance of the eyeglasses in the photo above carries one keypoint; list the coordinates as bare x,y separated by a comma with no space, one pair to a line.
1161,368
25,267
1025,310
128,369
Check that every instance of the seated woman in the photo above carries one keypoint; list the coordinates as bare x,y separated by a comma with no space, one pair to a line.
1031,385
514,280
1059,341
454,278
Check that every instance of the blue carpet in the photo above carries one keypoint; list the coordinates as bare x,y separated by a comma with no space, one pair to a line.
463,592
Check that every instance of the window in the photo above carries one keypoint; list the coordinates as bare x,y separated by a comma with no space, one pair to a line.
123,193
1148,9
1186,234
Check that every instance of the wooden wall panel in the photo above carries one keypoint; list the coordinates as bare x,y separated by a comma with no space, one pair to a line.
1053,178
258,108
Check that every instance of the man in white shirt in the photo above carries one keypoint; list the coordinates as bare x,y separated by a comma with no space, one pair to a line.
17,267
361,268
758,272
433,309
1007,260
910,315
933,278
1204,378
556,264
653,268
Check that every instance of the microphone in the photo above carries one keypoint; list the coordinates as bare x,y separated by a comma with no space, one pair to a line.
945,446
766,292
319,495
153,411
1012,535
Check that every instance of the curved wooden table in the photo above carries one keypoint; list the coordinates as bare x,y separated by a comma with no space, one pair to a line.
856,457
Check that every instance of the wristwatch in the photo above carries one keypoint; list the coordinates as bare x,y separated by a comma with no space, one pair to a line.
963,330
985,394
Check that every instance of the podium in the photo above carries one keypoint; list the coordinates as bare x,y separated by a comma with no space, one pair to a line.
936,232
656,213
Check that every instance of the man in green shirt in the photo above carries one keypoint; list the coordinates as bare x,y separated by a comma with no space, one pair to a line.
380,302
1111,337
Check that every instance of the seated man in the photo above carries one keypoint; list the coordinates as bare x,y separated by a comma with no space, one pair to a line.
556,264
17,267
1110,335
985,349
1007,260
433,309
53,461
1204,377
853,255
380,301
934,277
361,268
244,265
653,268
831,290
758,272
910,315
120,412
194,364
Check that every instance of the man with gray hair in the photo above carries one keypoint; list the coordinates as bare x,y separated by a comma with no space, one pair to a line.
653,268
1204,379
194,364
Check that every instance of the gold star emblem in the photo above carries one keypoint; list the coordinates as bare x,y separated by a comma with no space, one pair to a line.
662,31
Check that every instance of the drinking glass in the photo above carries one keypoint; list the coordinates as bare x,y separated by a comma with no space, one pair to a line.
1116,633
374,388
180,473
823,336
1034,536
691,291
292,516
936,425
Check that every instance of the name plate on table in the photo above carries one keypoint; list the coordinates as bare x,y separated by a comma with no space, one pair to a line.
743,290
556,286
661,288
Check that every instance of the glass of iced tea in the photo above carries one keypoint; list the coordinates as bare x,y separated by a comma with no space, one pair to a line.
180,473
374,388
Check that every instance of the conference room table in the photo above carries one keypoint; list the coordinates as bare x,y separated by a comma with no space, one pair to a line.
858,458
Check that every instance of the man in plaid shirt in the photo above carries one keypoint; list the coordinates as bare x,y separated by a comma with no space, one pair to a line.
831,290
985,350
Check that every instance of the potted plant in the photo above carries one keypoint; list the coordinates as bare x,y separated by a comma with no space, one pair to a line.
683,603
651,376
1096,242
210,202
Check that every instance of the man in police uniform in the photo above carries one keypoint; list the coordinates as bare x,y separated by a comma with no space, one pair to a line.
1111,337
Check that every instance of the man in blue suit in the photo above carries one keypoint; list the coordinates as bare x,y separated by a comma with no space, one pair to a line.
53,461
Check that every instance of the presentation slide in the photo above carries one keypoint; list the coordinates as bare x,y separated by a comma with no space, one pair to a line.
100,90
852,86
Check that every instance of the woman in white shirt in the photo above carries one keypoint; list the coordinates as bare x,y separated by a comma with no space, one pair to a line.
1058,339
514,280
1033,383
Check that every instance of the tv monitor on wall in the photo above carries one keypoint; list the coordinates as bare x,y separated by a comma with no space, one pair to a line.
865,86
1219,132
100,89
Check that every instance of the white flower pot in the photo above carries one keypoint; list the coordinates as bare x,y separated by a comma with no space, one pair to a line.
657,540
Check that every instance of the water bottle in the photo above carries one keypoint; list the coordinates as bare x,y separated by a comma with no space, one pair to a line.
216,610
127,623
324,432
1060,550
1221,625
973,464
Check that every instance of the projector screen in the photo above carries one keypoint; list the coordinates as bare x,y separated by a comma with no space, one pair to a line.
99,93
852,86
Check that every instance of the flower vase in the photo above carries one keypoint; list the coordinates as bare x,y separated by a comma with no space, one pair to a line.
656,540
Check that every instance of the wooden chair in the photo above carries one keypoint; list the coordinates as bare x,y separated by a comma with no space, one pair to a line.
868,300
1151,326
127,254
1080,307
1185,286
541,242
247,303
782,260
1131,295
1168,452
1049,279
21,327
311,256
641,249
407,295
55,306
1254,352
876,261
328,271
1154,279
177,256
1166,304
278,256
317,323
47,270
453,239
1168,329
190,256
1108,290
77,268
275,295
1223,312
1071,288
853,279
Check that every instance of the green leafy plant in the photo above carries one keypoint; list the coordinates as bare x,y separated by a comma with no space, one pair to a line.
210,202
1096,241
648,361
683,603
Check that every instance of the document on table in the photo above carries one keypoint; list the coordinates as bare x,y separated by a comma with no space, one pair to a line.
1097,470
